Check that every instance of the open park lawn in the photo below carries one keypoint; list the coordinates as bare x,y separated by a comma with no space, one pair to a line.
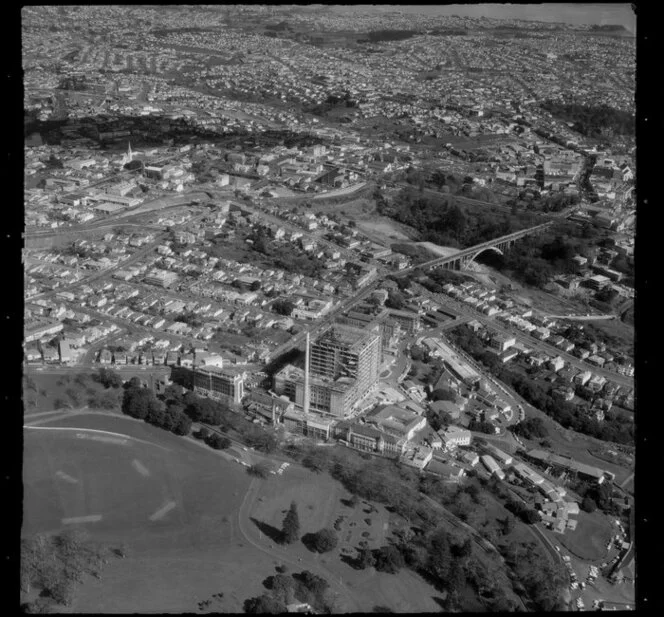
321,500
171,503
588,541
44,392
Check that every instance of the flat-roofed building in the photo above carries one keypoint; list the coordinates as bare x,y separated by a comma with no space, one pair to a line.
503,457
344,351
370,439
454,436
494,469
161,278
65,351
409,321
397,421
219,383
459,367
501,341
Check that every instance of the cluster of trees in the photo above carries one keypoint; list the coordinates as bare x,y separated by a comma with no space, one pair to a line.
532,200
535,259
285,589
395,300
53,565
214,440
592,121
378,36
528,515
531,428
616,428
333,101
426,545
535,579
141,403
322,541
283,307
595,496
216,413
482,426
440,219
285,258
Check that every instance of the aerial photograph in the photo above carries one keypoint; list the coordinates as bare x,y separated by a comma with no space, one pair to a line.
328,308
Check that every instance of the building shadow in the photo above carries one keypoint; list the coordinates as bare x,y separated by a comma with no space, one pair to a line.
271,532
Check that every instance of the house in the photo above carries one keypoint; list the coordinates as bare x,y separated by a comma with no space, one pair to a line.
582,378
556,363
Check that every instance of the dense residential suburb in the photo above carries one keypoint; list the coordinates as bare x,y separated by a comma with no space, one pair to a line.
327,309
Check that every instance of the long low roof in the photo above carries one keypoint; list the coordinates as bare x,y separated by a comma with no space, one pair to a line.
563,461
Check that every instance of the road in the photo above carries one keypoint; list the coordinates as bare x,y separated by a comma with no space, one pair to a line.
329,318
542,346
133,258
582,317
279,222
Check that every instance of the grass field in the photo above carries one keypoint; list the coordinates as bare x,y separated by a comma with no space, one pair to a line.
588,541
169,501
48,388
319,500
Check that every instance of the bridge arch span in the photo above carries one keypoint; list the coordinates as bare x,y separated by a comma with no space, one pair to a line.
488,248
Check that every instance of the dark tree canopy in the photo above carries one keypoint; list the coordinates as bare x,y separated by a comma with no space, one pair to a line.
291,526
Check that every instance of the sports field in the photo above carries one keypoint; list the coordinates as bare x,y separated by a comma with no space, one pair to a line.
172,504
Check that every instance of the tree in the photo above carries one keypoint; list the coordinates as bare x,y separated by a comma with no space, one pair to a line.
134,382
183,425
283,307
218,442
290,529
388,559
135,402
443,394
260,470
255,285
365,558
156,411
173,392
314,583
588,504
324,540
109,378
395,300
264,604
104,400
282,586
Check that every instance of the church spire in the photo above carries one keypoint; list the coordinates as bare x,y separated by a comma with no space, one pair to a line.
129,153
